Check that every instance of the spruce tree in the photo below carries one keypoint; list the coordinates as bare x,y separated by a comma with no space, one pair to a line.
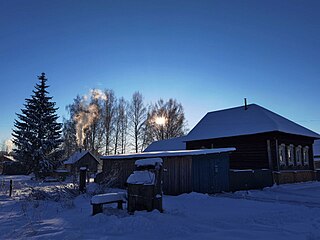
37,134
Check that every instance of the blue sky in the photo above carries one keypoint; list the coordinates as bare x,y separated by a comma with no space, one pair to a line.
208,55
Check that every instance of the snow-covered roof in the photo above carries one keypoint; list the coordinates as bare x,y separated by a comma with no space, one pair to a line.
76,156
167,145
148,162
238,121
168,153
9,158
316,148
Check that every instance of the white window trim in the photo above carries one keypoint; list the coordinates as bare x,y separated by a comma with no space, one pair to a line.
299,153
306,155
290,154
282,155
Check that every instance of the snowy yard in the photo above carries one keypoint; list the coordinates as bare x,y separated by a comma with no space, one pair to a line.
280,212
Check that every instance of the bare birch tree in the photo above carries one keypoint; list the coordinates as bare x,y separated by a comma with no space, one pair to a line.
165,120
109,119
121,126
137,117
123,108
95,131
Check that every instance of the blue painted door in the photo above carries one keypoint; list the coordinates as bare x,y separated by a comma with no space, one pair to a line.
210,173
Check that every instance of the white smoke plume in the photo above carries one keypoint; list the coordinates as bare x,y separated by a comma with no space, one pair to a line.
98,94
8,145
88,114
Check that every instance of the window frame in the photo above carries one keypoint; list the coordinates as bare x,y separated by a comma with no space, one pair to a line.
282,154
298,153
290,154
305,156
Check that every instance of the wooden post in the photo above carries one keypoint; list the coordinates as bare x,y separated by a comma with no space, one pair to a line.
120,204
97,208
88,176
82,180
10,189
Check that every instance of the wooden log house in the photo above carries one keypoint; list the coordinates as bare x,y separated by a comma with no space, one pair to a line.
263,140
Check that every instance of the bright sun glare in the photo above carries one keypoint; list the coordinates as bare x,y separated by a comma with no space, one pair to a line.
160,120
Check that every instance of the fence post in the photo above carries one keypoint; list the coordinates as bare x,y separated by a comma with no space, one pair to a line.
10,188
88,176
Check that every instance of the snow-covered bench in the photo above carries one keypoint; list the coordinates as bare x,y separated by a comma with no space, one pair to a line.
98,201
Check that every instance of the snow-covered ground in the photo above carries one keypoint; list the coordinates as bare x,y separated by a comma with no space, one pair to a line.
280,212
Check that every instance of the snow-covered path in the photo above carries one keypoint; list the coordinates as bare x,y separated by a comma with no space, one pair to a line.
188,216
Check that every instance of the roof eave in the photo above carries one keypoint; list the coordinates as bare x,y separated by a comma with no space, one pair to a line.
160,154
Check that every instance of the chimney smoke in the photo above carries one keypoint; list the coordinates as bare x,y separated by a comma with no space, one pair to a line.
88,113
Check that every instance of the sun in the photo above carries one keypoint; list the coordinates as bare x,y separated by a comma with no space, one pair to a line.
160,120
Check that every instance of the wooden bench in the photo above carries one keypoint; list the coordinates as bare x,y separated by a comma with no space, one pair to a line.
98,201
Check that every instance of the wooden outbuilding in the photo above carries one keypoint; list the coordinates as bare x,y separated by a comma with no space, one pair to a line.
10,166
82,159
204,171
7,158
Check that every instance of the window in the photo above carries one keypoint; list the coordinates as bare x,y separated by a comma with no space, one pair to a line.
306,155
298,155
282,154
290,155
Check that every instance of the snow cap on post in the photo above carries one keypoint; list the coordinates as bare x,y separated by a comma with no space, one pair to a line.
142,177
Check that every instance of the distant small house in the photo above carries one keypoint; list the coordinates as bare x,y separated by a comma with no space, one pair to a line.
5,159
10,166
82,159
